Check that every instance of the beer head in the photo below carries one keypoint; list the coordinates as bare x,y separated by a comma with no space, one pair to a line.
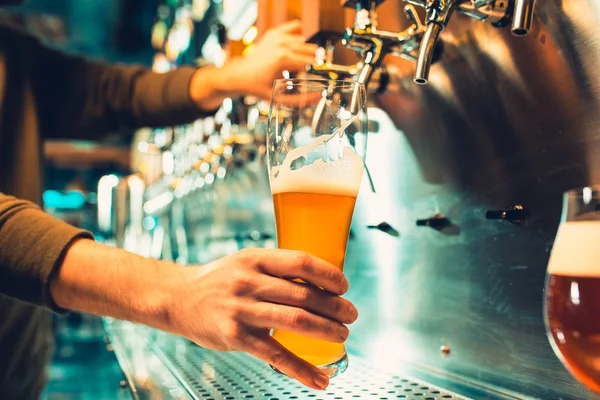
317,143
576,250
341,176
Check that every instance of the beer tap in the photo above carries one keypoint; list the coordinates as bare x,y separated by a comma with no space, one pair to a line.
523,17
374,44
324,65
497,12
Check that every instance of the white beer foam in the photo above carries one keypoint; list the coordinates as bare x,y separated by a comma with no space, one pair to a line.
576,250
341,176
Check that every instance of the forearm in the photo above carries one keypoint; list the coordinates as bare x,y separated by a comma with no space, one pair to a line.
107,281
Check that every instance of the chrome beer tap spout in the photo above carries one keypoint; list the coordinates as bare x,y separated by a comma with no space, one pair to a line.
374,44
371,45
439,12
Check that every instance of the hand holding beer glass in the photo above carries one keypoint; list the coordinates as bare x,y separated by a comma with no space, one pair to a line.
572,304
316,147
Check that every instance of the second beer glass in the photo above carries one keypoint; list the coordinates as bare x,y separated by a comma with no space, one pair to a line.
572,295
316,147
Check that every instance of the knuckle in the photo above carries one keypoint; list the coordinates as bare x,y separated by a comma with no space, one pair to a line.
242,285
303,294
303,260
337,332
247,256
297,319
332,328
277,358
234,333
335,275
236,312
339,307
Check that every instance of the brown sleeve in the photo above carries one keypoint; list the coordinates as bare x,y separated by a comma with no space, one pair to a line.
80,98
32,245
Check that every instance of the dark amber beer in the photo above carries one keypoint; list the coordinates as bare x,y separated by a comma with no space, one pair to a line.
573,300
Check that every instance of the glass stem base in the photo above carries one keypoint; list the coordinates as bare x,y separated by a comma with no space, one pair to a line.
331,370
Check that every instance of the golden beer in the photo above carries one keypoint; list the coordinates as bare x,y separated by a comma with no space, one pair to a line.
316,144
319,224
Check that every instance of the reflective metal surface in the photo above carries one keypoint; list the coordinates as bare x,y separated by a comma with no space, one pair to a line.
447,259
72,374
164,366
503,121
439,13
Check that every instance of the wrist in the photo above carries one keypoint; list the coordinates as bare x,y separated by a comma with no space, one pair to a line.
103,280
156,301
211,85
229,80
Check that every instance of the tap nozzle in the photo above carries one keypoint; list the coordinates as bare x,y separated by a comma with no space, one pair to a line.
438,15
523,17
439,12
429,52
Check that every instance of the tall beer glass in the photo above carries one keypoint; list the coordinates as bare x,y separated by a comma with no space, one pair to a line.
316,147
572,303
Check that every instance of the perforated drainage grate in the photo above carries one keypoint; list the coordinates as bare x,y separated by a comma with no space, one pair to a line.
210,375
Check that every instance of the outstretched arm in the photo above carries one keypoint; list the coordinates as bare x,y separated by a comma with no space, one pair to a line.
227,305
81,98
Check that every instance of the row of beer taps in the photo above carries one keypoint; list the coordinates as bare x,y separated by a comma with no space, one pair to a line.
420,42
207,182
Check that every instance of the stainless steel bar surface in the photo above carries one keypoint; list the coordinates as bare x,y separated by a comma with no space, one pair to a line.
161,365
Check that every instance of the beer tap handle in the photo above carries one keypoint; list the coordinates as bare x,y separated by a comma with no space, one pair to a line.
411,15
324,65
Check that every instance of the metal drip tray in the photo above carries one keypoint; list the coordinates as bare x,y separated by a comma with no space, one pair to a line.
163,366
209,375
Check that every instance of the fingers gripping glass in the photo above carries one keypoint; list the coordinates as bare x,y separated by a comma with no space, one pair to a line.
316,149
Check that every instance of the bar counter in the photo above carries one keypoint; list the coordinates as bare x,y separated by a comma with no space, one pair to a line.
158,365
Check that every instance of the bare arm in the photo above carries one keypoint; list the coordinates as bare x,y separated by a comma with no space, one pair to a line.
227,305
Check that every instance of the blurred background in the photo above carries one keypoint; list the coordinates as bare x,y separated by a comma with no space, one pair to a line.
158,34
128,31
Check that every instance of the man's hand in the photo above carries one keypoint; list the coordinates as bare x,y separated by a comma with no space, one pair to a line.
229,304
281,48
233,304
